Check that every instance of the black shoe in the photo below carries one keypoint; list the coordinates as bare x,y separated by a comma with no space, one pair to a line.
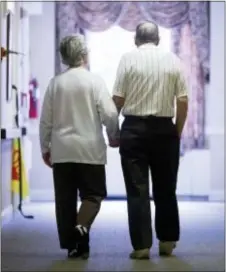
78,253
72,253
83,252
82,237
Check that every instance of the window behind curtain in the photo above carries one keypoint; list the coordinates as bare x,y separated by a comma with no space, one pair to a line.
106,49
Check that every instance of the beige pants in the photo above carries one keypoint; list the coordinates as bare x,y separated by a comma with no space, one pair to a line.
88,211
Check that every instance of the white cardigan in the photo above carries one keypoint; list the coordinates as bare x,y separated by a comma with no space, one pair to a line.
76,105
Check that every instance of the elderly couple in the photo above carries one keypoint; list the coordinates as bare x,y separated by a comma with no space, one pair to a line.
77,104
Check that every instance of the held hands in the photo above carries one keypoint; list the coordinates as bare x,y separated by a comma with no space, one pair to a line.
114,139
46,159
114,143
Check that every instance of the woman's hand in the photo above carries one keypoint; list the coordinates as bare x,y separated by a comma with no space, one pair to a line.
114,143
46,159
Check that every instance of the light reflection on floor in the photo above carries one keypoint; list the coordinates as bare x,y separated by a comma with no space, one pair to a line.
30,245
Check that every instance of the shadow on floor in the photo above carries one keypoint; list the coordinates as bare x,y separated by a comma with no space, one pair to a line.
32,245
107,263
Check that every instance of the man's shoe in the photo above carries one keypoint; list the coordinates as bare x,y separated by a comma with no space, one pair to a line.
166,248
141,254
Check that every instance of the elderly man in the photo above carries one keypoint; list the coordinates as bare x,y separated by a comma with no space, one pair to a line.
75,106
147,83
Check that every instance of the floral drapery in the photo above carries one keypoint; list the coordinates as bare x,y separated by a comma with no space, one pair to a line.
194,131
99,16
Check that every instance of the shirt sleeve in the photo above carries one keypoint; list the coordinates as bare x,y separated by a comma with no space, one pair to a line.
107,109
46,120
120,84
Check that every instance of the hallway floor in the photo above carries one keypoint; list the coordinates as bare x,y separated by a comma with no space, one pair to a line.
32,245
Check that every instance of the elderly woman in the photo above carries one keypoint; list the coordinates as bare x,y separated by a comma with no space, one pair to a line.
76,105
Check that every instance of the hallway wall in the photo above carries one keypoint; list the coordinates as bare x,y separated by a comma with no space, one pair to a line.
6,162
7,110
19,76
215,104
7,107
201,172
42,65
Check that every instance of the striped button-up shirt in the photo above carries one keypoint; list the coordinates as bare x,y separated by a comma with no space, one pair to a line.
149,79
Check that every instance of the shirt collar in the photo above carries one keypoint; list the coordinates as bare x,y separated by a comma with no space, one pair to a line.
147,45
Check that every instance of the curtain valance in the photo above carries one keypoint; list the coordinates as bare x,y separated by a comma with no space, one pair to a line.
99,16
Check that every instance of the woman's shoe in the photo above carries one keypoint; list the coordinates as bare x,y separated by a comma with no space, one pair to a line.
83,251
72,253
82,236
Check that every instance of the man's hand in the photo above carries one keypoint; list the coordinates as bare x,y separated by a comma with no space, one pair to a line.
181,114
119,102
114,143
46,159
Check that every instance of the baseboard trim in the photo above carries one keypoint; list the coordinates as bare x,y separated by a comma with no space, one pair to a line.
217,196
179,197
48,196
6,215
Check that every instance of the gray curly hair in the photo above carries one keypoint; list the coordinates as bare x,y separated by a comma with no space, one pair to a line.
73,50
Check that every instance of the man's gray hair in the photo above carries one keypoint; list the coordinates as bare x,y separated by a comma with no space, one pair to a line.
147,32
73,50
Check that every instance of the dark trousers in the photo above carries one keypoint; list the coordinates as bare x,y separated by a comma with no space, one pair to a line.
150,143
69,180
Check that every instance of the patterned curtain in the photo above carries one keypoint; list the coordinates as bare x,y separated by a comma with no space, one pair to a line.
194,131
189,22
66,24
190,41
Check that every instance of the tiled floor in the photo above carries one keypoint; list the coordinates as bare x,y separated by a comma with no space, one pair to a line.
32,245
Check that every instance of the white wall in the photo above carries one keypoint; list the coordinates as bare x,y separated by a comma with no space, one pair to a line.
8,108
42,65
216,100
42,45
201,172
